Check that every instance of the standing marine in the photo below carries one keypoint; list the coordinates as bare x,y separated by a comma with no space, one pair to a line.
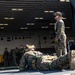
60,36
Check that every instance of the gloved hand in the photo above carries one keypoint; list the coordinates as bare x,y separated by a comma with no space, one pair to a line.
56,40
59,40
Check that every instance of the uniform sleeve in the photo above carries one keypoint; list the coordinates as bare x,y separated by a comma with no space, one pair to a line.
59,29
22,65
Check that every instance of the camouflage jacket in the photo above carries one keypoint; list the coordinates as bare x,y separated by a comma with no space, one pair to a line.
59,28
36,60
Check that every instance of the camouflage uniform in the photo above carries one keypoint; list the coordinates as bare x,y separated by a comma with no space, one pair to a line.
37,61
28,59
61,37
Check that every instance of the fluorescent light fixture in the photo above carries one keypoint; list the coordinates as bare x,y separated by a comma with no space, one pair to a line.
6,24
46,11
67,27
62,0
36,18
20,9
1,27
14,9
17,9
32,24
41,18
23,28
64,18
11,18
1,24
28,23
51,23
67,0
44,27
7,18
49,11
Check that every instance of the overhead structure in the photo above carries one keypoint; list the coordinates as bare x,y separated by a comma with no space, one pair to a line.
73,12
20,15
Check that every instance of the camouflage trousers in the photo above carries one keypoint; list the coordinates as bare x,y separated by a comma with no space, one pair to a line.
61,46
44,64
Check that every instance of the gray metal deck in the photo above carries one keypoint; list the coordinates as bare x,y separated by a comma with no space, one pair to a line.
16,72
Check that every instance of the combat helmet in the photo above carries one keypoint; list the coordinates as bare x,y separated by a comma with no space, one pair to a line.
30,47
58,13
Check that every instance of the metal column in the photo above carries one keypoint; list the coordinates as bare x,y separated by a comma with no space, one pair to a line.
73,11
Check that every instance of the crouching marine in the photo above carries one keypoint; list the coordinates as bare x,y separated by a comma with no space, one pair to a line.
36,60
